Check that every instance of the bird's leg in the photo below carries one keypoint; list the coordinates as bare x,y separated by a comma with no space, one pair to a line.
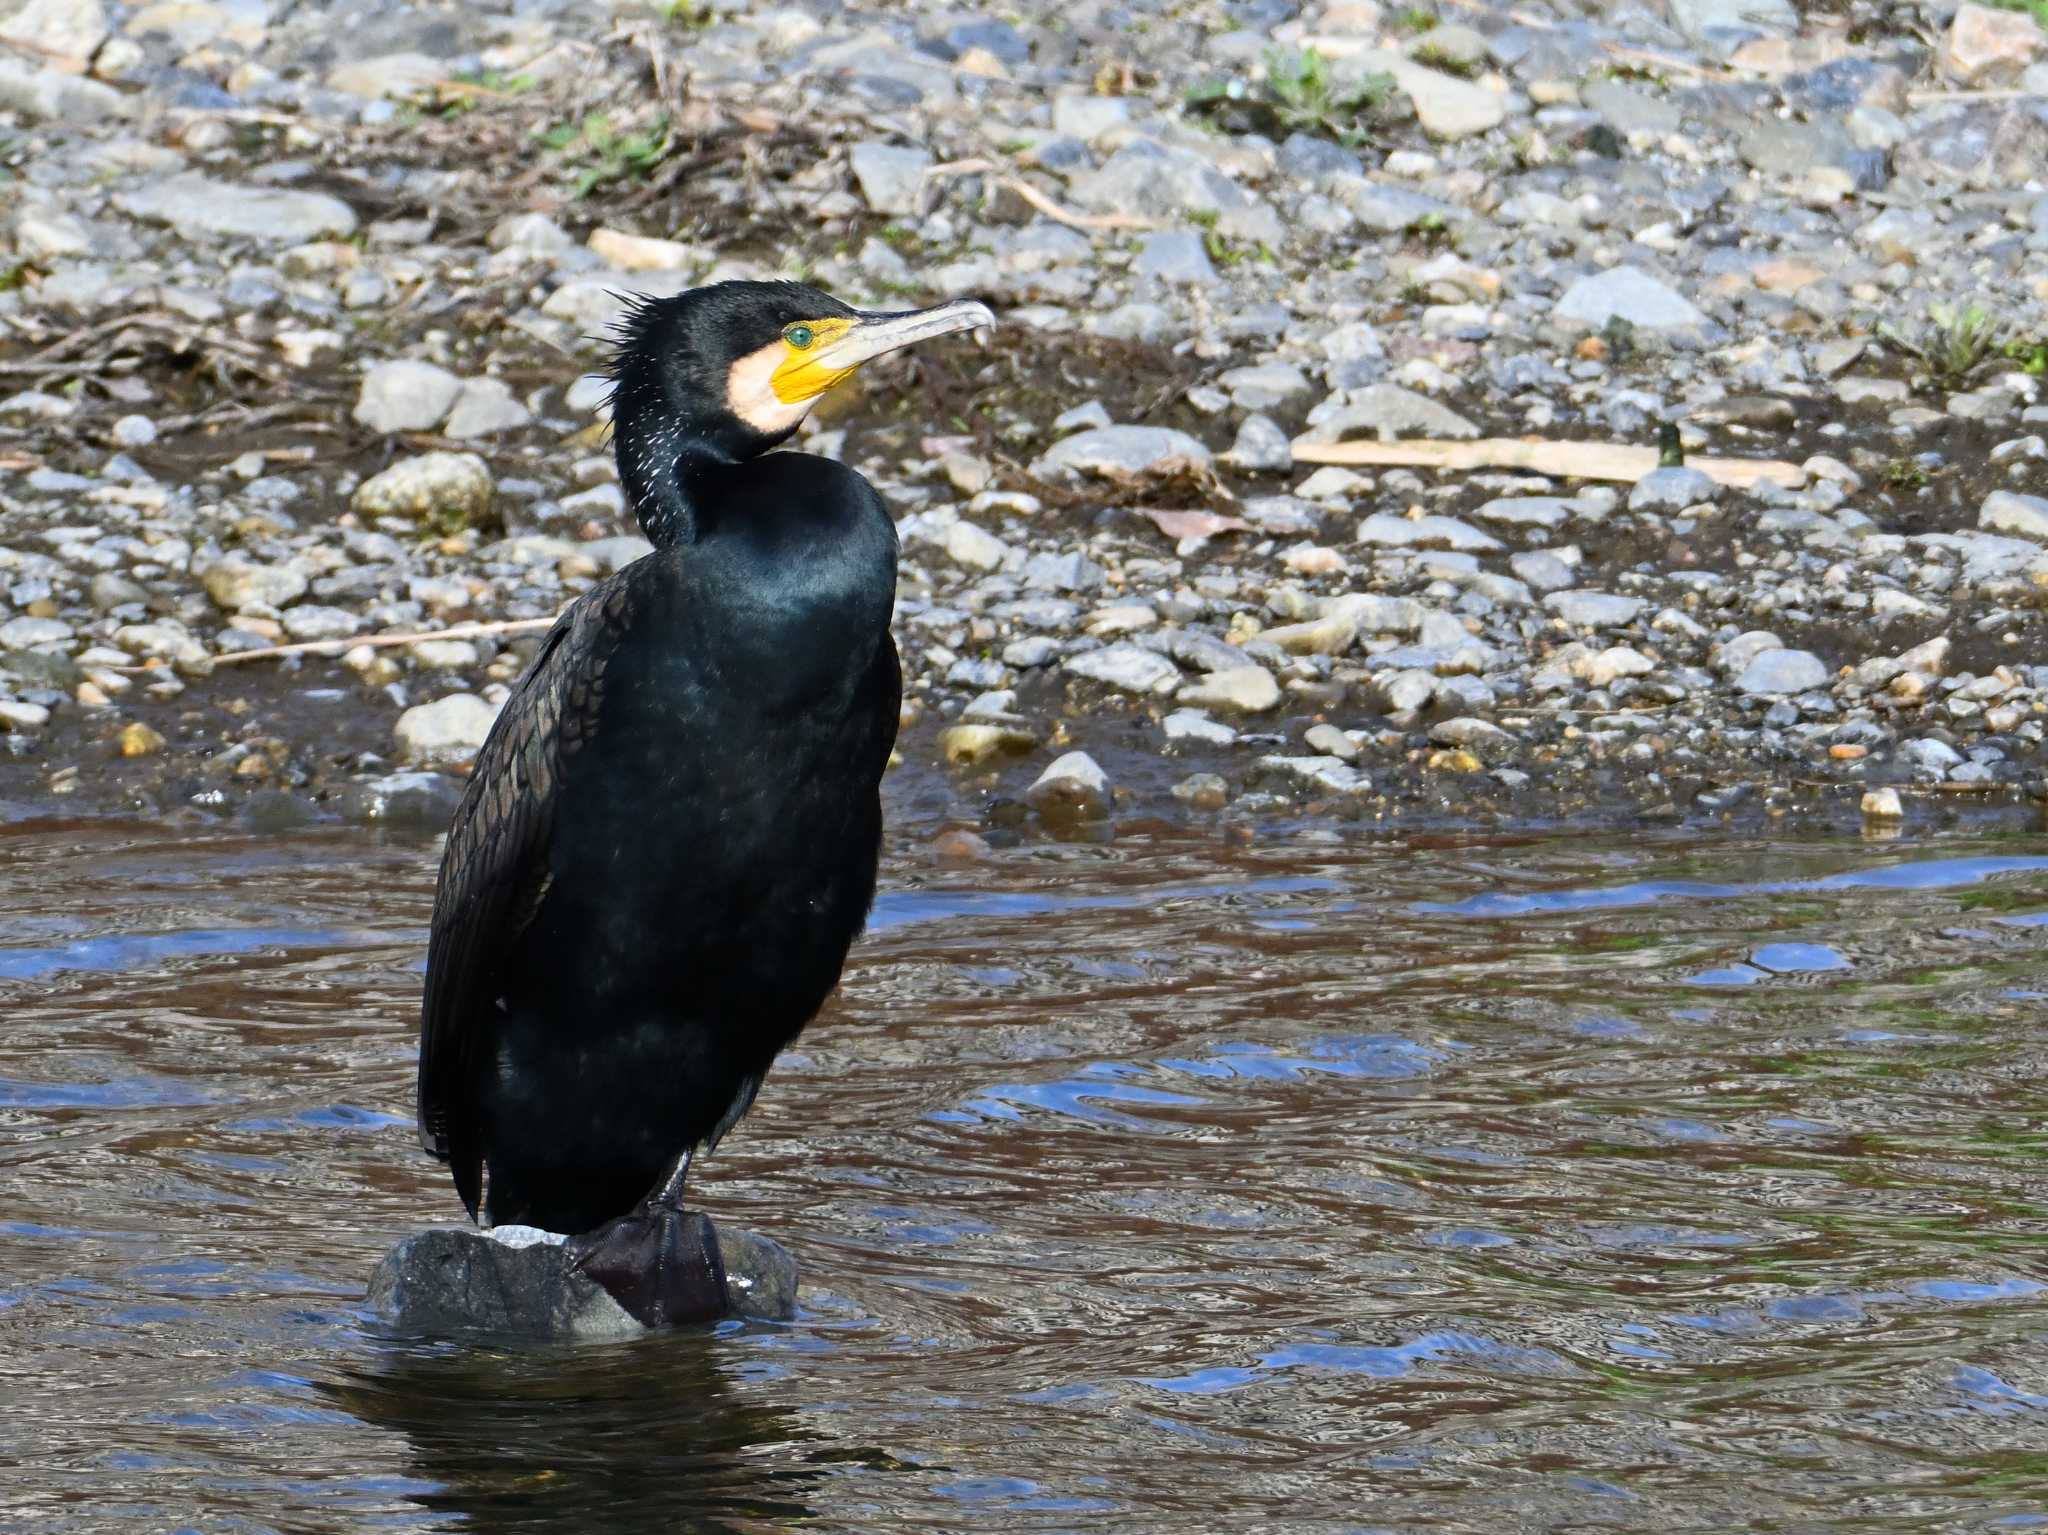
660,1262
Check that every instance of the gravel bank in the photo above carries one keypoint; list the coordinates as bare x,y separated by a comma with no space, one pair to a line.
298,310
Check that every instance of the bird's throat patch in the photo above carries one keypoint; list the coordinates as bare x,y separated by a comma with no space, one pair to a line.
774,387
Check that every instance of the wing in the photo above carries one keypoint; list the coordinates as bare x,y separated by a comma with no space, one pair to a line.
494,871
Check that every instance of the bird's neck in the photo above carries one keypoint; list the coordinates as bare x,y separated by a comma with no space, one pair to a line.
670,472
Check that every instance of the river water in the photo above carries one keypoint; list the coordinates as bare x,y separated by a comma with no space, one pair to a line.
1322,1181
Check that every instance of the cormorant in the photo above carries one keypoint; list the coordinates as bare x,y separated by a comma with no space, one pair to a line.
669,839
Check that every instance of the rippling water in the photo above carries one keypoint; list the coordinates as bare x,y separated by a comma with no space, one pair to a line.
1319,1183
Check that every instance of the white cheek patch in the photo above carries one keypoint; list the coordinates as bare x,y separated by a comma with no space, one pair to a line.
751,389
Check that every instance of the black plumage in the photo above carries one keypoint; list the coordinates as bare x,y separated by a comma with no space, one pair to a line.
670,838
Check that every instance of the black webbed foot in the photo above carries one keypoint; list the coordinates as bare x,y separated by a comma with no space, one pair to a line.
661,1263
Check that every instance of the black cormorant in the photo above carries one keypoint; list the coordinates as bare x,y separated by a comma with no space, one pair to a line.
669,839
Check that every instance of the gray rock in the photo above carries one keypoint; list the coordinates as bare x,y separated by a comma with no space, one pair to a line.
1780,146
1119,451
1705,22
1484,739
1333,775
1391,531
37,634
1370,613
269,215
1157,181
1445,106
1238,690
1328,740
406,395
1072,788
445,732
237,584
1672,490
1266,385
973,546
1544,572
1175,256
1527,512
485,407
1778,673
1929,758
891,177
1261,447
2006,512
1126,667
54,95
1195,725
1088,117
1593,610
1083,417
1627,293
1389,411
1629,110
517,1281
1385,209
67,30
534,232
314,622
1314,160
1069,572
2002,145
449,486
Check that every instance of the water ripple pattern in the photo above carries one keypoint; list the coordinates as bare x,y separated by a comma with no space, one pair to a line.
1323,1183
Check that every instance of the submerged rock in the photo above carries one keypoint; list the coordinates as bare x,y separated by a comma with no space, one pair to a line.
517,1280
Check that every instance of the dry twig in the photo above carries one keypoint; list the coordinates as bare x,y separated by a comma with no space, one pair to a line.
1037,199
1618,461
379,641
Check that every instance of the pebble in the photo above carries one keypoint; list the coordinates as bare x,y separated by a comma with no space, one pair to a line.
1073,787
1194,725
138,740
406,396
452,488
197,204
1236,690
1780,672
1631,294
1123,452
1126,667
445,732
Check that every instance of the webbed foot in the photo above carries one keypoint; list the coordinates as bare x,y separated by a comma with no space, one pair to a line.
660,1263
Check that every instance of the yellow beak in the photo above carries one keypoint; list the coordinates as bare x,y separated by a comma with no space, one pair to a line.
843,345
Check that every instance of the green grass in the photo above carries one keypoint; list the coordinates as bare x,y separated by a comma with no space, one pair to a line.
2038,9
1437,59
598,154
1297,95
1954,343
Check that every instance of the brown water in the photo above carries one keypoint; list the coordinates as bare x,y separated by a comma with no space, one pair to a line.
1321,1183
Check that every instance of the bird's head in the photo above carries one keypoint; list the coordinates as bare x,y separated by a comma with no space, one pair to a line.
736,367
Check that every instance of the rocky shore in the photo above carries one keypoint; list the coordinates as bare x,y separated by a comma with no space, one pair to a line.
301,307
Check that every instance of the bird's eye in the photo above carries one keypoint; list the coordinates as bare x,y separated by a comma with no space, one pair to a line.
799,336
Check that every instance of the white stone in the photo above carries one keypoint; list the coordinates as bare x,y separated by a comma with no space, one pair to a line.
1073,787
445,732
406,395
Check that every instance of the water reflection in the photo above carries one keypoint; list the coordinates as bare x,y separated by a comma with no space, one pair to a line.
1313,1182
646,1437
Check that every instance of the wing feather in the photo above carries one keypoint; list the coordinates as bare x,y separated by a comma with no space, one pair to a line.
495,869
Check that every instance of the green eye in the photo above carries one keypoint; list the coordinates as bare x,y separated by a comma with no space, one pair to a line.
799,336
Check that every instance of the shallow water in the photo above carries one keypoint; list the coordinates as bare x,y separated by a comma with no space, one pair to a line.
1319,1183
